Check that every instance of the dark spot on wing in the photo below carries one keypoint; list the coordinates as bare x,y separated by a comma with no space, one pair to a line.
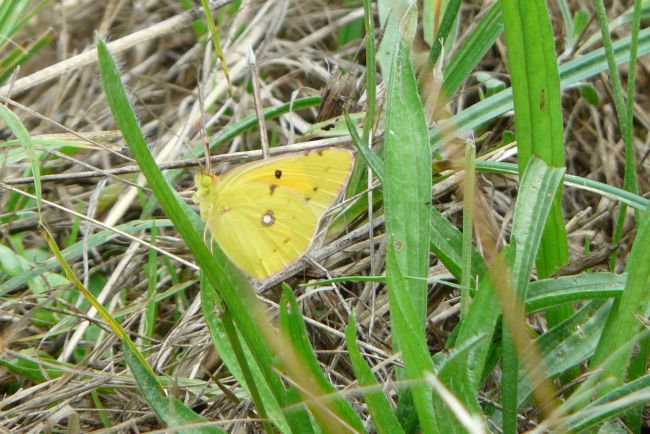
328,126
307,198
287,241
315,188
278,174
272,188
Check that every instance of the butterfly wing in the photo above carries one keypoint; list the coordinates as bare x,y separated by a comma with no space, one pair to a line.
264,215
318,176
261,233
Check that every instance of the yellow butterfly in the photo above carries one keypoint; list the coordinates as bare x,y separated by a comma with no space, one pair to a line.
264,215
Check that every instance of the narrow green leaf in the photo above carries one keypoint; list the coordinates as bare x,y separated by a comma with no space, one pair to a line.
623,324
173,412
534,202
567,345
624,112
170,410
571,74
605,190
469,195
366,152
237,364
484,311
216,41
614,404
448,19
234,288
537,190
25,140
407,197
391,16
454,374
570,289
538,113
473,50
371,71
152,284
380,409
293,324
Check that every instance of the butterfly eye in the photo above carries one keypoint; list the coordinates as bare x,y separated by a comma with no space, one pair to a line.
204,181
278,174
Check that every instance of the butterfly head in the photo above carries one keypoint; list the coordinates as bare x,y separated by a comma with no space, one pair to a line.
204,183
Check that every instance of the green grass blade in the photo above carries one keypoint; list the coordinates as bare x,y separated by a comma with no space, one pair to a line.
639,364
446,243
473,50
235,290
605,190
623,112
391,14
407,196
407,178
568,345
293,324
453,373
546,293
25,140
173,412
536,195
366,152
75,251
243,367
152,283
616,403
448,19
622,324
533,207
21,56
538,113
380,409
216,41
571,74
469,196
484,311
170,410
371,71
624,122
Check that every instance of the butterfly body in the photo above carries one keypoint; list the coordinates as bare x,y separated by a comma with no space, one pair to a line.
264,215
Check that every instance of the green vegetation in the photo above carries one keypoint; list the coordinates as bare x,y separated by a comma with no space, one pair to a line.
488,270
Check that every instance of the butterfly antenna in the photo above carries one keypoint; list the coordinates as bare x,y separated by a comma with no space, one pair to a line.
206,150
257,97
204,135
